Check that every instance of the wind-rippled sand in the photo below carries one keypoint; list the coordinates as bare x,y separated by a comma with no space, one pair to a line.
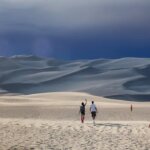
52,122
59,135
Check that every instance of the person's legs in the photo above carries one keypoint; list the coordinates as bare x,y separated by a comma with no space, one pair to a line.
82,118
93,116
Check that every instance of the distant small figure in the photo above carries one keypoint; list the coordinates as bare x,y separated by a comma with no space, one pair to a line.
93,110
82,110
149,125
131,108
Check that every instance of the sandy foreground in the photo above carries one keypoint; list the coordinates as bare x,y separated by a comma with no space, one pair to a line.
51,121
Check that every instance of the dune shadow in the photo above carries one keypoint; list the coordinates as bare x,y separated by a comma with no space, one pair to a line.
131,97
109,125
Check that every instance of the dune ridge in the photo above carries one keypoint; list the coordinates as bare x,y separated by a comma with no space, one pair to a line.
125,78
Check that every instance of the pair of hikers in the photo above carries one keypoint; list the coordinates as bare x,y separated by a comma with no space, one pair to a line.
93,111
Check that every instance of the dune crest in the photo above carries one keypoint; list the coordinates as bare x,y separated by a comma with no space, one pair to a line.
126,78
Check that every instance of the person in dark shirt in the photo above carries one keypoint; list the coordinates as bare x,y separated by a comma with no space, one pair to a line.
82,110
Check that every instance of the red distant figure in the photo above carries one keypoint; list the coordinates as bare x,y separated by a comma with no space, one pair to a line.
131,108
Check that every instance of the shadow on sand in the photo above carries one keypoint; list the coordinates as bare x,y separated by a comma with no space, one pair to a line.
109,124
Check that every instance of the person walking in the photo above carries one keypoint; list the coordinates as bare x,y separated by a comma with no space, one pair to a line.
131,108
93,110
82,110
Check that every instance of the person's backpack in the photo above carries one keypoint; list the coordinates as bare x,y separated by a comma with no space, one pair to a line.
82,109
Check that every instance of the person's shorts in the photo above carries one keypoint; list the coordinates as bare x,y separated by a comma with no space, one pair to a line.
93,114
82,113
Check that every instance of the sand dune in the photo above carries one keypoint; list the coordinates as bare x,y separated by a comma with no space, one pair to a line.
40,100
65,106
126,78
51,121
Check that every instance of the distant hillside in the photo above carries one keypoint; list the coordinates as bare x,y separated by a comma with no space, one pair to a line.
126,78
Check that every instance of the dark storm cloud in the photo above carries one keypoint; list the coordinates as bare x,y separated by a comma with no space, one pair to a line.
45,15
74,29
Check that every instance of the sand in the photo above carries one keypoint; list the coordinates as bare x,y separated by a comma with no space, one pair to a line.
51,121
124,78
66,135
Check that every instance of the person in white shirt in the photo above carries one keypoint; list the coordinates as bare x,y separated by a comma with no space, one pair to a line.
93,110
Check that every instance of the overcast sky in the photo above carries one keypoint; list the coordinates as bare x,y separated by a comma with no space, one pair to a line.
75,29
